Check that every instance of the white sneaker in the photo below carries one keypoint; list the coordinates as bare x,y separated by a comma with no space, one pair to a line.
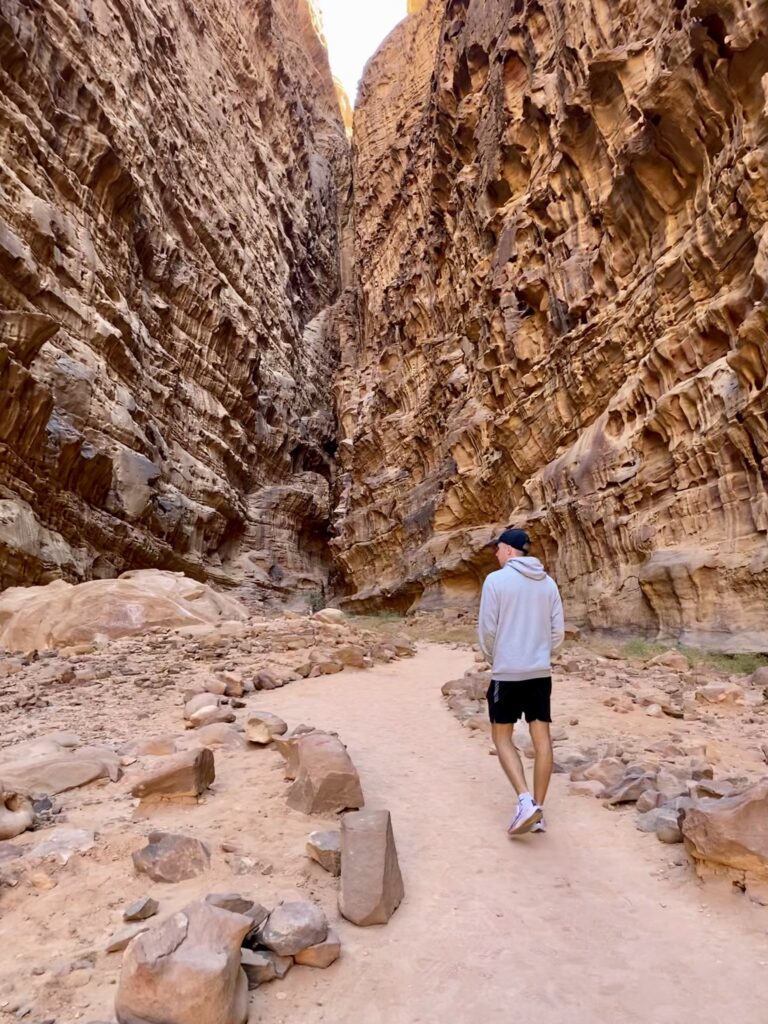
540,826
526,816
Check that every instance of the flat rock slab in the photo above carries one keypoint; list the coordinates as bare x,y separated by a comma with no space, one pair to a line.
186,970
172,858
183,775
325,848
220,735
371,883
293,926
326,780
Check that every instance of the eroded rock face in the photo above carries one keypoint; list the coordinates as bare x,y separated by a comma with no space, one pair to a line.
169,248
561,268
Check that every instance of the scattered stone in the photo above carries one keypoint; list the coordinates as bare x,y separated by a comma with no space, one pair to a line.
172,858
16,813
186,970
671,659
220,735
202,701
210,716
259,966
262,728
351,655
371,883
719,693
590,787
141,909
231,901
325,848
608,770
632,786
334,616
62,844
280,964
185,775
119,941
322,954
731,832
648,800
294,926
326,779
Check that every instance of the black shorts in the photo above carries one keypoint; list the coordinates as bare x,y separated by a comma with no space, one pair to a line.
509,700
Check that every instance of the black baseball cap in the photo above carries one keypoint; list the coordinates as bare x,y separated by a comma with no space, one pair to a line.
517,539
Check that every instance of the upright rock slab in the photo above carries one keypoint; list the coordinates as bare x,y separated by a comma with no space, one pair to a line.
371,883
326,779
186,970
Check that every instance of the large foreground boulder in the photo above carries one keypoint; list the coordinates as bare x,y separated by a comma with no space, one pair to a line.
371,883
731,833
186,970
326,780
60,613
53,764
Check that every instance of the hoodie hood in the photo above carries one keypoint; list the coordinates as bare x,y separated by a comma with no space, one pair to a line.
527,566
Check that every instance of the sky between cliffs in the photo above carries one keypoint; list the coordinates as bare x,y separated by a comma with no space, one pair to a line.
353,30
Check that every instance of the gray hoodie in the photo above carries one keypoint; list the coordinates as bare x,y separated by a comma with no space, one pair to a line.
521,620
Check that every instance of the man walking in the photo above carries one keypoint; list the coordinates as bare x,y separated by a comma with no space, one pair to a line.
520,624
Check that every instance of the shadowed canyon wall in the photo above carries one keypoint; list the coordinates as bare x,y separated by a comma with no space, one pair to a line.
561,268
170,224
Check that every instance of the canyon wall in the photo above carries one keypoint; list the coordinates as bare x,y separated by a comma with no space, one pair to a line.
172,186
561,268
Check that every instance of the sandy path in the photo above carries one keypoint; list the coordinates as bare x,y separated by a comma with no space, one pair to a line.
575,927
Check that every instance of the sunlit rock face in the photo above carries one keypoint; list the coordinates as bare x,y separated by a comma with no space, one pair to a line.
169,247
561,266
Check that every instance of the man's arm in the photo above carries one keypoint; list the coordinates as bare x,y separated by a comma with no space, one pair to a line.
488,620
558,620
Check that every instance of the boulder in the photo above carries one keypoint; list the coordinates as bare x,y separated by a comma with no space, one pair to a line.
671,659
293,926
220,735
262,727
334,616
259,966
53,765
371,883
154,746
351,655
719,693
184,775
186,970
210,716
325,848
16,813
759,678
168,857
288,748
322,954
629,789
608,770
326,780
201,701
731,832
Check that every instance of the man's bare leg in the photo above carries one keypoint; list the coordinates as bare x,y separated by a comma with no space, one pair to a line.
542,765
509,757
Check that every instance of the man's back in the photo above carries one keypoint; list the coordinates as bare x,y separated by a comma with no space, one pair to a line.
521,620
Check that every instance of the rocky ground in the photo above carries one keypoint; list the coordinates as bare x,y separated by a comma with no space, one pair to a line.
65,885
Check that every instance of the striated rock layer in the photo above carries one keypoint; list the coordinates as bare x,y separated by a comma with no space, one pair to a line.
169,248
561,264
